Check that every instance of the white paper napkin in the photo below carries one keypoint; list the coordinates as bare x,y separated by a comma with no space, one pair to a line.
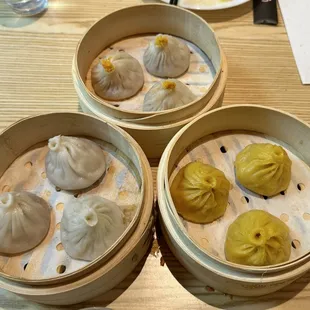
296,15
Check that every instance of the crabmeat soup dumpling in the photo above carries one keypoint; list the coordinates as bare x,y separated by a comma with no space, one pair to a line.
166,57
90,225
24,221
117,77
74,163
166,95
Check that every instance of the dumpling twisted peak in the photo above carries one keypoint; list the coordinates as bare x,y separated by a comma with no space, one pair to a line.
90,225
74,163
117,77
166,57
24,221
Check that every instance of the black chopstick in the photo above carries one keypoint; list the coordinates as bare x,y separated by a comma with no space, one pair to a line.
174,2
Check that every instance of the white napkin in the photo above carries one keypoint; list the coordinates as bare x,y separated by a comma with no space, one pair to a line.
296,15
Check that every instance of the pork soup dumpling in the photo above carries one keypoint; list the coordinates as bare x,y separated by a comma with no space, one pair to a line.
90,225
166,57
263,168
200,193
24,221
117,77
74,163
166,95
257,238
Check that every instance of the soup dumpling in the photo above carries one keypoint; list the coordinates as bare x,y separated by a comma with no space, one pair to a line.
257,238
166,95
117,77
74,163
263,168
166,57
200,192
90,225
24,221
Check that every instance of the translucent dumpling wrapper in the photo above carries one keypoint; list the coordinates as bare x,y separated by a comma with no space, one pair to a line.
263,168
89,227
74,163
24,221
166,57
257,238
117,77
200,192
166,95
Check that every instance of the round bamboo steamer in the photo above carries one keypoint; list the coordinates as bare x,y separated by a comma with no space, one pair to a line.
207,132
143,20
20,140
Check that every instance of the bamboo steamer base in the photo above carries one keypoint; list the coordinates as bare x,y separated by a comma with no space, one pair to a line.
153,139
48,261
19,140
202,140
292,207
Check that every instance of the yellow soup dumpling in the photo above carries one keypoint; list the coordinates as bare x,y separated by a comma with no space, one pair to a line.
263,168
257,238
200,192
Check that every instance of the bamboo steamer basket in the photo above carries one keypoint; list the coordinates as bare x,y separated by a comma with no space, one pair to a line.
23,148
144,20
232,128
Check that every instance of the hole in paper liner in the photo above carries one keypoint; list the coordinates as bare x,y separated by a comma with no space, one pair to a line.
306,216
60,206
57,189
61,269
6,188
296,244
28,164
245,199
301,186
25,266
284,217
59,247
223,149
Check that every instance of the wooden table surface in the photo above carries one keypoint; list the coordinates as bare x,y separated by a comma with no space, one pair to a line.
35,66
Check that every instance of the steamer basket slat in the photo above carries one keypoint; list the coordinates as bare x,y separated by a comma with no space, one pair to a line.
235,127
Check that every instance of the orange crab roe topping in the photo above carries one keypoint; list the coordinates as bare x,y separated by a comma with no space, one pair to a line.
169,85
161,41
107,65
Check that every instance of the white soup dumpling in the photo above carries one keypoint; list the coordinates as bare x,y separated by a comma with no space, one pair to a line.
89,227
166,57
117,77
74,163
166,95
24,221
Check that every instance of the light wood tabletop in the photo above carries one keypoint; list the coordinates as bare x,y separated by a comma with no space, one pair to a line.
35,65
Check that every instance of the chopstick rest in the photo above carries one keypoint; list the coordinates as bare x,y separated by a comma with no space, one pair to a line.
265,12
